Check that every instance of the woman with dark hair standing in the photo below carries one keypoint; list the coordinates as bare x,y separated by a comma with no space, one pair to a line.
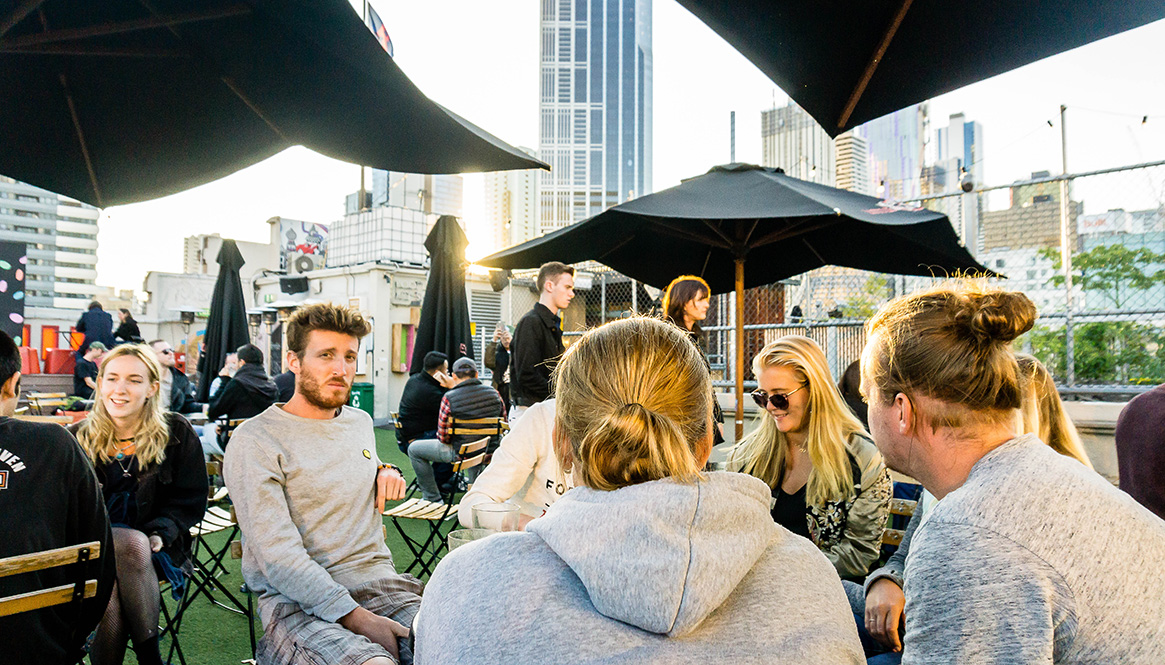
685,304
153,479
128,331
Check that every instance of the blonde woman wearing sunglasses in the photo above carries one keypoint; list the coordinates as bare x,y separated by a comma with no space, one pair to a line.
828,481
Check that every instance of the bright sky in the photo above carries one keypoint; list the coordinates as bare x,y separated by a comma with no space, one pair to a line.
480,59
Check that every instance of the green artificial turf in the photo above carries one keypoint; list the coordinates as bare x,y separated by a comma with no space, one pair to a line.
211,635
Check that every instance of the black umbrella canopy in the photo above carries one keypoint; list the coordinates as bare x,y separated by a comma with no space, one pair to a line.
780,225
849,62
444,324
120,101
226,328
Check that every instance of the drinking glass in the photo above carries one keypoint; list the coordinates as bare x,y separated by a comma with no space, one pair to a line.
459,537
496,516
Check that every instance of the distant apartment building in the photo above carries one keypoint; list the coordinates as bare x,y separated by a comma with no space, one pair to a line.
1032,220
792,140
853,163
595,127
61,235
511,206
960,146
897,149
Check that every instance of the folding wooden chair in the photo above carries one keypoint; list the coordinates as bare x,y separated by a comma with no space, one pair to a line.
41,401
494,428
903,508
78,590
440,517
60,420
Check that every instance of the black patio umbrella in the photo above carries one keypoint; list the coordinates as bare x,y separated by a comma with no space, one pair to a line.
444,324
709,225
226,327
849,62
121,101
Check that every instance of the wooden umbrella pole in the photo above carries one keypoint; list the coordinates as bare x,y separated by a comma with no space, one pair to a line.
739,349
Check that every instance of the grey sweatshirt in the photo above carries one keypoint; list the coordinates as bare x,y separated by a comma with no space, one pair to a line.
304,491
661,572
1036,559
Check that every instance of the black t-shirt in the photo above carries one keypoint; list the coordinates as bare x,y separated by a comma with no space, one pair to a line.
49,498
789,510
84,369
420,405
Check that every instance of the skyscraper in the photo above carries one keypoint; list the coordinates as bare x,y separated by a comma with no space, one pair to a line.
595,108
511,206
792,140
853,163
897,144
960,144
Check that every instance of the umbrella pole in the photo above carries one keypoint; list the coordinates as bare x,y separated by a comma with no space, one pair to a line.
739,349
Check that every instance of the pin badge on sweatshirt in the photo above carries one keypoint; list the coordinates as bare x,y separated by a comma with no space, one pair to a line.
367,455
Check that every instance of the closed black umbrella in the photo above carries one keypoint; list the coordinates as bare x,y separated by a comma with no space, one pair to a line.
849,62
444,324
120,101
709,225
226,328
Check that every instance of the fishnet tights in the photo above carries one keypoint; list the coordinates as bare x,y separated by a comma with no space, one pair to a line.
134,606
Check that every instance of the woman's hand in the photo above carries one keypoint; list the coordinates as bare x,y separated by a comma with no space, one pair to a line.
155,543
885,603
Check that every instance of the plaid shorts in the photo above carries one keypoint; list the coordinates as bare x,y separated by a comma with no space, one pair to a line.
298,638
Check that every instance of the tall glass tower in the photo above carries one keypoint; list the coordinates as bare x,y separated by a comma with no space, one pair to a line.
595,120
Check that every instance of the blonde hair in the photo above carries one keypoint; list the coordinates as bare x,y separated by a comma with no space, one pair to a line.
98,434
951,343
1043,412
763,453
633,405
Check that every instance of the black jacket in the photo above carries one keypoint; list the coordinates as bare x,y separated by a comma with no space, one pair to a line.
128,331
247,394
171,496
49,498
473,399
420,405
285,382
534,353
97,325
497,358
181,393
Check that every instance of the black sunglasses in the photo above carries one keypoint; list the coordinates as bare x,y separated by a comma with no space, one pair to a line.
779,400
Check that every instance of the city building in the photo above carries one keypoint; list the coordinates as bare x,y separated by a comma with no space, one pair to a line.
1032,220
792,140
511,206
433,194
897,149
595,128
960,144
200,252
853,163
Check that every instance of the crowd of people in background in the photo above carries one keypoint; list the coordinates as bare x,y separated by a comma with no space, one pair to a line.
633,546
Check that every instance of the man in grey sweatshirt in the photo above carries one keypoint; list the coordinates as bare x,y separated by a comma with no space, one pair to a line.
308,488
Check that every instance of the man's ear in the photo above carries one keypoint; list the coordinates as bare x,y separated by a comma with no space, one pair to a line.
906,414
292,362
11,387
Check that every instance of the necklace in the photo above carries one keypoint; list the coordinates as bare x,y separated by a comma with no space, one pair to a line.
124,467
121,449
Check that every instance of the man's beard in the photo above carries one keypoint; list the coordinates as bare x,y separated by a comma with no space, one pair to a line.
312,392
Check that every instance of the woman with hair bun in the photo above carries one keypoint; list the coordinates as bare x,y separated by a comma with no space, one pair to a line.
827,479
647,559
1029,556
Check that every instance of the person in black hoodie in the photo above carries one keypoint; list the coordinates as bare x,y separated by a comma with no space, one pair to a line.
153,480
246,395
49,498
128,331
420,402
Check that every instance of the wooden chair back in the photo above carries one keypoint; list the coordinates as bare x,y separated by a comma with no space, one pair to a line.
62,556
60,420
905,508
470,455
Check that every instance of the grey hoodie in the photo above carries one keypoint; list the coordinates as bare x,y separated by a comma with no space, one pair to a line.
661,572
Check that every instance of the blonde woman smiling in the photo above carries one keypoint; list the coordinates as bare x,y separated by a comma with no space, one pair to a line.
153,479
827,479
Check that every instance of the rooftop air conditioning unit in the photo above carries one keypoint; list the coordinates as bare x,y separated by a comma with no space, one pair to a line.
299,263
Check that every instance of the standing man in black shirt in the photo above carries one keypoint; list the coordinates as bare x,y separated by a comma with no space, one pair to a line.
49,498
537,342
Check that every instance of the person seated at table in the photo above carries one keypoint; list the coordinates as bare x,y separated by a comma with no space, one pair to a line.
176,393
647,560
827,479
1028,556
420,401
524,469
153,480
879,604
49,498
230,365
248,393
85,371
127,330
468,399
309,490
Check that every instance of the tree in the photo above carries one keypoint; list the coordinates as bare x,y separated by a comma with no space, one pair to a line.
1116,272
865,304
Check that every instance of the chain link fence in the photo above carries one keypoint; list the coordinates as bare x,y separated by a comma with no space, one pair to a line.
1101,329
